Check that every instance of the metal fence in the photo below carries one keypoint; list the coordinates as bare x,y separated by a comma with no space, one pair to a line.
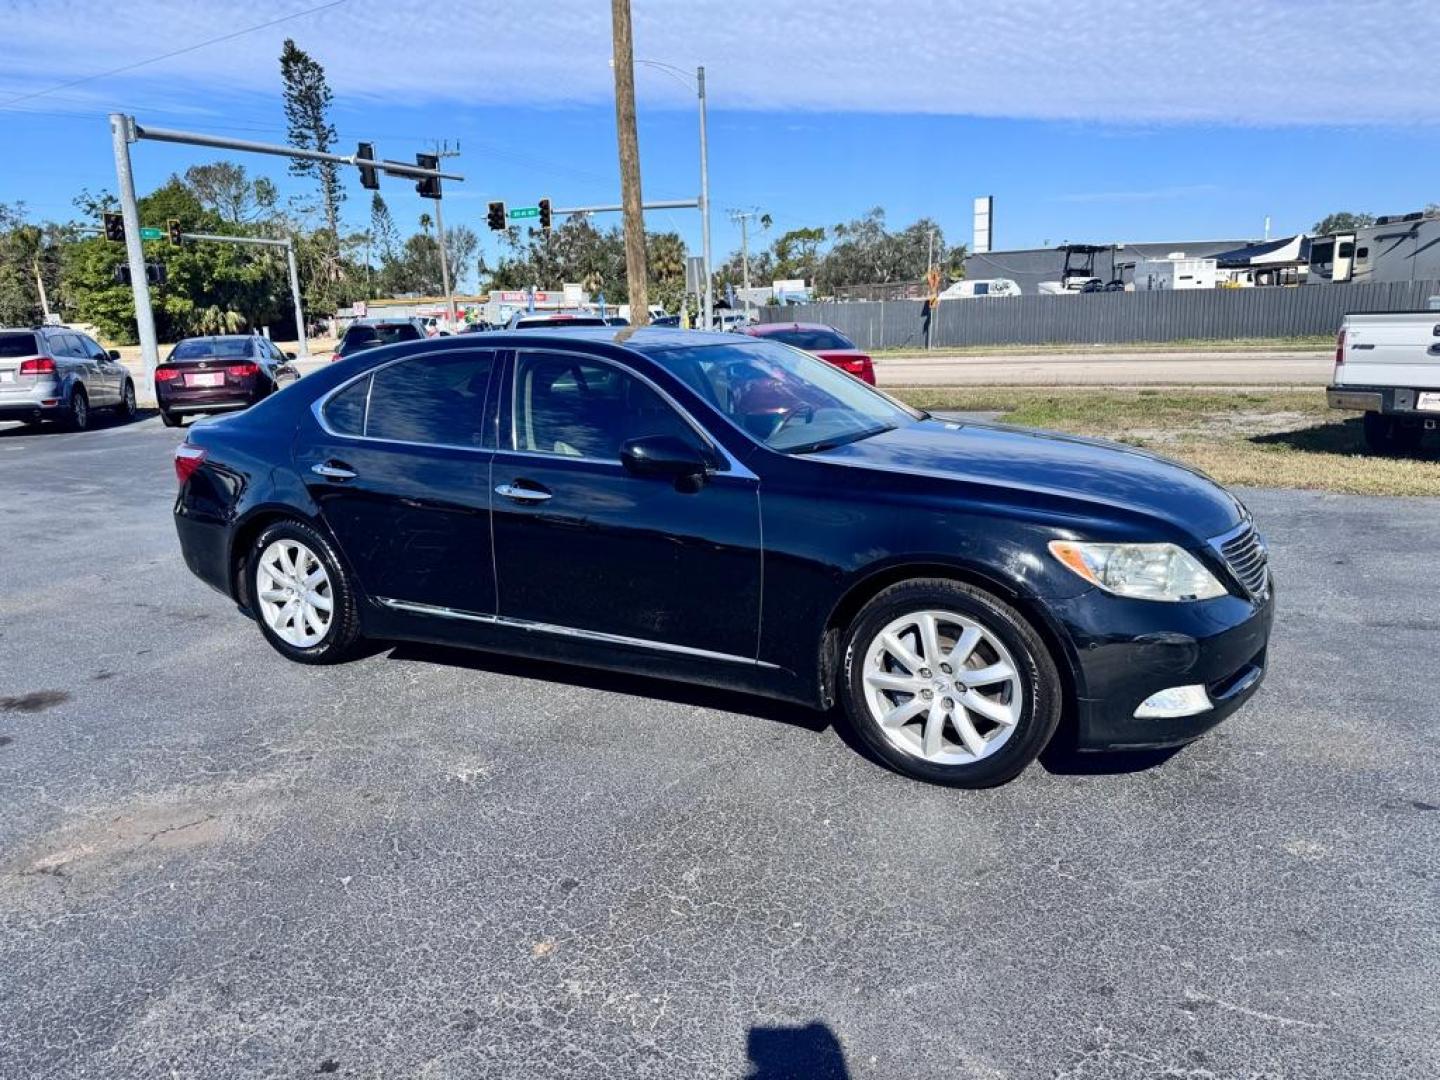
1112,318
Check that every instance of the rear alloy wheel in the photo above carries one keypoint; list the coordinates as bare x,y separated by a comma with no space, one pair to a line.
300,595
79,417
126,409
947,683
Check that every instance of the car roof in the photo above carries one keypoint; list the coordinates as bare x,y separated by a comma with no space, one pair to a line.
219,337
638,339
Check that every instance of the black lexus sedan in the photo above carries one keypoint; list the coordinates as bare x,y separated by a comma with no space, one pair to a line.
731,511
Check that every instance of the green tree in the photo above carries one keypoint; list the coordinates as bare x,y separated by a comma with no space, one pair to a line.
382,228
461,245
307,115
1341,221
227,189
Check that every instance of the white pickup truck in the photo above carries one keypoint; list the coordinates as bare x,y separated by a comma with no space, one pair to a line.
1387,365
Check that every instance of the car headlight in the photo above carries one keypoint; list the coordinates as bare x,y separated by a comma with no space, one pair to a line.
1142,571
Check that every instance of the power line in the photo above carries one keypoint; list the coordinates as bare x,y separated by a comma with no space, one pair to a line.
170,55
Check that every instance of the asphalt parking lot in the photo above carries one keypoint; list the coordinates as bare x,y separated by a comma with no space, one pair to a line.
214,863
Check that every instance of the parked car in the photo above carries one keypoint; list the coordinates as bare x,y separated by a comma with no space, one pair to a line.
1387,366
672,321
725,510
54,373
371,334
542,320
824,341
220,374
731,320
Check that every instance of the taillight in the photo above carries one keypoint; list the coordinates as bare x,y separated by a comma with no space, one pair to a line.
165,374
335,356
188,458
241,370
40,365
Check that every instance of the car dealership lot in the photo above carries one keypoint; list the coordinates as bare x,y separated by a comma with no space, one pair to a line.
430,863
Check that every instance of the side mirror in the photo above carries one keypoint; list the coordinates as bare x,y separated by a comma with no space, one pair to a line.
114,354
668,457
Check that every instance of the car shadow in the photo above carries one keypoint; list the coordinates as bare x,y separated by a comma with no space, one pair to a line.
811,1052
1061,758
1338,437
100,420
614,682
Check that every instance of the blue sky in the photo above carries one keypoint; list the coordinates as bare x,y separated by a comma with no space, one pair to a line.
1128,121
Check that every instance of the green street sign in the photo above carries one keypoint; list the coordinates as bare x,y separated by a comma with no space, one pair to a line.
524,212
152,234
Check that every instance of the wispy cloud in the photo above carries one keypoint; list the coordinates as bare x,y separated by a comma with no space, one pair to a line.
1146,62
1147,195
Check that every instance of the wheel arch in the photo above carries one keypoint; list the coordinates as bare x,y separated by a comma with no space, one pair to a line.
257,521
870,584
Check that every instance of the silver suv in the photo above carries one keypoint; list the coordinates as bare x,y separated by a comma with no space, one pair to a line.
51,373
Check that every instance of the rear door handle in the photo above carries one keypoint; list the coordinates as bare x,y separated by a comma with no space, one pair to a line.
510,491
333,470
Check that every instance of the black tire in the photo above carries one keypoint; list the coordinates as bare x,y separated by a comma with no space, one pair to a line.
126,409
1036,674
342,637
77,417
1385,434
170,419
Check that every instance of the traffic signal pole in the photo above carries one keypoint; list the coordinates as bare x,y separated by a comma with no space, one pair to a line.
260,241
122,132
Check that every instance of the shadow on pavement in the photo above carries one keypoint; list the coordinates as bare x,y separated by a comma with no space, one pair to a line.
100,420
1341,437
1062,759
811,1052
614,682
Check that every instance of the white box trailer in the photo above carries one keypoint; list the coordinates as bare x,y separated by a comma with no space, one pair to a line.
1175,273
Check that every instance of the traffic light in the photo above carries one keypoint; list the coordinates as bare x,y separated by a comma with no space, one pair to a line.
115,227
545,214
369,176
428,186
172,226
496,217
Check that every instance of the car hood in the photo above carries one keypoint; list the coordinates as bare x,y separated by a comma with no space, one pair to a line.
1067,467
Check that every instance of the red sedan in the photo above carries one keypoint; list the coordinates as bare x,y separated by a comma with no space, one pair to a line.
824,341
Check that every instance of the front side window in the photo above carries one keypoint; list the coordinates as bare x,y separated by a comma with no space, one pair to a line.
787,399
575,407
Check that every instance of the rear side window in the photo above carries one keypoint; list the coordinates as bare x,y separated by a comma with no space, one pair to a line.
439,398
12,345
345,412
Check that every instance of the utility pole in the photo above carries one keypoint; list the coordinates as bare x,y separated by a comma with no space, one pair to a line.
442,152
930,255
743,218
122,132
630,195
705,205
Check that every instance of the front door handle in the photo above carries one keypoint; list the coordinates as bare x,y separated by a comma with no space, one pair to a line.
333,470
510,491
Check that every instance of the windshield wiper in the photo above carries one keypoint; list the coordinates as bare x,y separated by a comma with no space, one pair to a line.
837,440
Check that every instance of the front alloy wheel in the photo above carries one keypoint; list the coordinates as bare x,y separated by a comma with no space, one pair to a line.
947,683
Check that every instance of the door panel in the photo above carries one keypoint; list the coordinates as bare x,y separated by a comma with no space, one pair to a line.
606,551
413,518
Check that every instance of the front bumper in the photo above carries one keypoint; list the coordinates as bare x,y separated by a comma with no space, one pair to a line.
1130,649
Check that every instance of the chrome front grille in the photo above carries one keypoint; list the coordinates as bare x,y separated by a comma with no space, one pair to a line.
1244,552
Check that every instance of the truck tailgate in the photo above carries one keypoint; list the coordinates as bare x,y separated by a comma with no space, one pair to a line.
1399,349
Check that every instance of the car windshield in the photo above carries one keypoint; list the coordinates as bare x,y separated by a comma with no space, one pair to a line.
811,338
12,345
785,398
212,349
369,337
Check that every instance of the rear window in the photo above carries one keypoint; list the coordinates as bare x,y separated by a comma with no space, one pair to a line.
811,339
369,337
12,345
551,323
217,349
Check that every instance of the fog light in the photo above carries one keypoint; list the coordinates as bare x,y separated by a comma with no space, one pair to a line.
1176,701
